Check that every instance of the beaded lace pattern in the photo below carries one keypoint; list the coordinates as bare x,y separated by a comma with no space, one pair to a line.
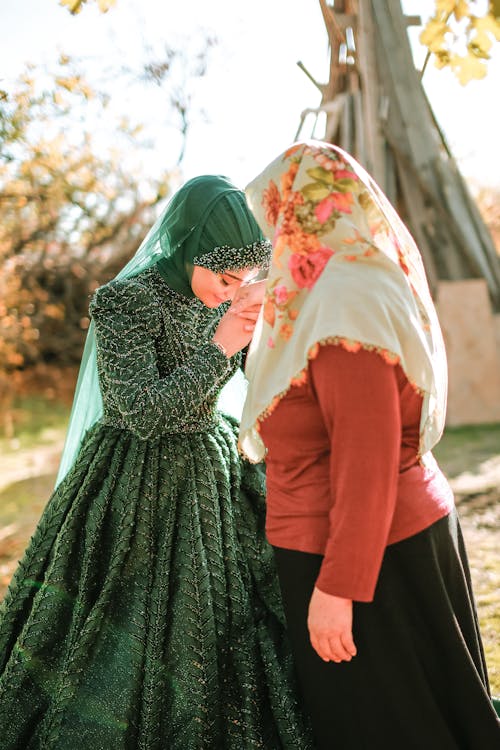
225,258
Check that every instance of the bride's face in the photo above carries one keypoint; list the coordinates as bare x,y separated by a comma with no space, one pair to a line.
215,288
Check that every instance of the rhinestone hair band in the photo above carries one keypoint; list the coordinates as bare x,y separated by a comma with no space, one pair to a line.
226,258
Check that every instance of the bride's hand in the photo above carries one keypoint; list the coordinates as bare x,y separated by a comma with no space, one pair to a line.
235,330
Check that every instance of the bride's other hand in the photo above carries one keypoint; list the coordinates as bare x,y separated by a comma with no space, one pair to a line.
249,296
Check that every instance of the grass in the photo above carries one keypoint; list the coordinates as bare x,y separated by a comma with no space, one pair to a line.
38,421
466,448
29,466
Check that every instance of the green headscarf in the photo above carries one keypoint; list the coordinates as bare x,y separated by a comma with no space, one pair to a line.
208,223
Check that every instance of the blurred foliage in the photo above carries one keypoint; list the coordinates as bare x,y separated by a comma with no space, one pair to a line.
460,35
75,6
72,209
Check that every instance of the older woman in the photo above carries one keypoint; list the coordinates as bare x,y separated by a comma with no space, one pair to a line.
347,392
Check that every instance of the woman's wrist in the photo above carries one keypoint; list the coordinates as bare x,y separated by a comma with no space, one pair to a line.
221,348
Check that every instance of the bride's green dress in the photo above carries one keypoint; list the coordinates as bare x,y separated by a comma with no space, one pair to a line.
145,614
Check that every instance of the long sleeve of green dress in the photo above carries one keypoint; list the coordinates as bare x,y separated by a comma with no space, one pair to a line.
136,395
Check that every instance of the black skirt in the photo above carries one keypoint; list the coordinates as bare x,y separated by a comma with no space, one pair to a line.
419,679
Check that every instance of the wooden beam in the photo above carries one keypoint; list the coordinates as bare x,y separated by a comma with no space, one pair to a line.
346,20
367,61
402,83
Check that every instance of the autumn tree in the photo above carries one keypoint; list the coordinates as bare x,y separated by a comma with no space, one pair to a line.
72,208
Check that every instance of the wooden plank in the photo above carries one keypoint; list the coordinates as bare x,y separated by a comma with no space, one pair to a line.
391,183
415,208
346,126
403,83
336,82
334,110
345,20
359,131
483,233
461,210
446,242
350,20
367,62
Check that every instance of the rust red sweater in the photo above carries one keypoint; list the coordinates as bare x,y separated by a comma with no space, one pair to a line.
343,476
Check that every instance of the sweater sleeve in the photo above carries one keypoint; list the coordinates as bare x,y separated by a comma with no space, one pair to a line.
359,400
127,321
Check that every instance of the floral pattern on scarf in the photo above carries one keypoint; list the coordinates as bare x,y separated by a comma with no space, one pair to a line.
308,213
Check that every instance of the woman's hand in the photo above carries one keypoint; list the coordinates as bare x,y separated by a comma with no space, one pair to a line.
249,295
235,330
250,313
330,627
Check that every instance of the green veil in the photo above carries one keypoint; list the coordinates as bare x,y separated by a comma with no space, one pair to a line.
208,223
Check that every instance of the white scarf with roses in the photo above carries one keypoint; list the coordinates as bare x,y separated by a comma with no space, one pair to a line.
345,270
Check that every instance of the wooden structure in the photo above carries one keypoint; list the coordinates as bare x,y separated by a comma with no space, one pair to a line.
377,110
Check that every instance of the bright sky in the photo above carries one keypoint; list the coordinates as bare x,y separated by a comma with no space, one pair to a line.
254,92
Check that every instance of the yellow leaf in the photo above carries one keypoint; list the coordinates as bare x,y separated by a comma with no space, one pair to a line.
487,25
461,10
445,6
442,59
105,5
468,68
74,6
433,35
58,98
68,83
480,45
87,92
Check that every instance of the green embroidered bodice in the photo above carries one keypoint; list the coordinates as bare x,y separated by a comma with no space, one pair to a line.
158,370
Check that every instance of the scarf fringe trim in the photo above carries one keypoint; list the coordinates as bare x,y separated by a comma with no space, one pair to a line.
350,345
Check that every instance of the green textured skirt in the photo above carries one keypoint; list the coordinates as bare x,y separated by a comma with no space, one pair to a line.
145,614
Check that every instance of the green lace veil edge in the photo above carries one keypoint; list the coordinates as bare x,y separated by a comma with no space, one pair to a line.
188,228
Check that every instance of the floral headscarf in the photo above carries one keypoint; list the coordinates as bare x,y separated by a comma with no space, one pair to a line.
345,270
